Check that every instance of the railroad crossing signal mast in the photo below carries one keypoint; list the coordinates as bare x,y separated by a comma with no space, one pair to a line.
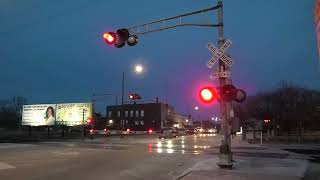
228,93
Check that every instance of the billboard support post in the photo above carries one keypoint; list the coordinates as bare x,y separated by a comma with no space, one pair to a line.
29,131
48,132
62,130
83,123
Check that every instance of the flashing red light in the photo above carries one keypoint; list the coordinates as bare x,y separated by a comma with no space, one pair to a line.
128,130
110,37
208,94
131,96
150,131
88,121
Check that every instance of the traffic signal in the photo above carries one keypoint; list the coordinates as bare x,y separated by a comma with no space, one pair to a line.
110,37
240,96
208,95
89,121
120,38
230,93
134,96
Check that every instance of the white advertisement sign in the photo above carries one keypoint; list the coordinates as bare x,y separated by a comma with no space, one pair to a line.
72,114
38,115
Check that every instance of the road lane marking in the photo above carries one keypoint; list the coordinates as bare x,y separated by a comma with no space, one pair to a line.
4,166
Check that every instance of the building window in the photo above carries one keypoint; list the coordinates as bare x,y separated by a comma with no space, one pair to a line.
119,114
142,113
136,122
126,113
131,113
142,122
137,113
109,113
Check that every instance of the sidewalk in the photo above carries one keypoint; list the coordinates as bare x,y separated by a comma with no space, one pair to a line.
252,162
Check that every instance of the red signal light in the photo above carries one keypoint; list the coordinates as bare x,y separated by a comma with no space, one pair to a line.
150,131
110,37
131,96
208,94
88,121
128,130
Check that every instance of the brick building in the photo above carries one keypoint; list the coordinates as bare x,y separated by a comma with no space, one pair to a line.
140,116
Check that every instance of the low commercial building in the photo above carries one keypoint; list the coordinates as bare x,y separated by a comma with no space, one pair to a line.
182,121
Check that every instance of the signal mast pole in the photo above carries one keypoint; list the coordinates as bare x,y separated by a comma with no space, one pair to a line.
225,107
130,35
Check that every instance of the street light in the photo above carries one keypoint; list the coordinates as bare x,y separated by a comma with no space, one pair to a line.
138,69
110,121
196,108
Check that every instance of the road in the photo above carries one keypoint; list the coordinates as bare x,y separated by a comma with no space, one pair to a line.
135,157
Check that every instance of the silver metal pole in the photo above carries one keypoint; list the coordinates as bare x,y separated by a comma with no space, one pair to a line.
122,95
226,157
82,123
223,105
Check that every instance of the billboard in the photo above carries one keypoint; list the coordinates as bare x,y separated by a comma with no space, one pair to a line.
39,115
72,114
316,13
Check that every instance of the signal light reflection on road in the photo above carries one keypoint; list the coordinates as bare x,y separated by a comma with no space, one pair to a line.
208,94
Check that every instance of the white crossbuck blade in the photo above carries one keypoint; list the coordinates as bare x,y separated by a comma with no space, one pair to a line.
219,54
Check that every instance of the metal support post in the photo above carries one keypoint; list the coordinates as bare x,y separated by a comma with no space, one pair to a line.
225,148
82,123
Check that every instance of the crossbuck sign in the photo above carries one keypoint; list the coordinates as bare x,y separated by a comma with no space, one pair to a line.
219,54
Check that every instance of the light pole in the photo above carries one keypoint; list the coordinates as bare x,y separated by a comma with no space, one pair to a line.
196,108
138,69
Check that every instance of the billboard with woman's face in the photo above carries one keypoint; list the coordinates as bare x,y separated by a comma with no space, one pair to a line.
39,115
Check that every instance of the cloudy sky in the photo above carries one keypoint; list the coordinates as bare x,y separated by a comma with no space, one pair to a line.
52,51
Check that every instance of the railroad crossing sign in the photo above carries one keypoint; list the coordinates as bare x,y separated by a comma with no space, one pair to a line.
220,73
219,54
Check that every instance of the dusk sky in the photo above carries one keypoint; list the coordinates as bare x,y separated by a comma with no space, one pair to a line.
53,51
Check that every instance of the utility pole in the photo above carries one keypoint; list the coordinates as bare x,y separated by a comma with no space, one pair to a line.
225,148
121,107
122,94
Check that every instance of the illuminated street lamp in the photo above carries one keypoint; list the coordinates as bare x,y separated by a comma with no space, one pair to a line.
138,69
110,121
196,108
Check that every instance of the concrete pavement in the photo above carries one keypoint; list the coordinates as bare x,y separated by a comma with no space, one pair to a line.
146,157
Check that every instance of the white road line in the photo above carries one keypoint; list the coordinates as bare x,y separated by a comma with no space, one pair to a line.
13,145
6,166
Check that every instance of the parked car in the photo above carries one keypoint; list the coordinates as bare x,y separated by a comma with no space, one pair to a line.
168,132
182,132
